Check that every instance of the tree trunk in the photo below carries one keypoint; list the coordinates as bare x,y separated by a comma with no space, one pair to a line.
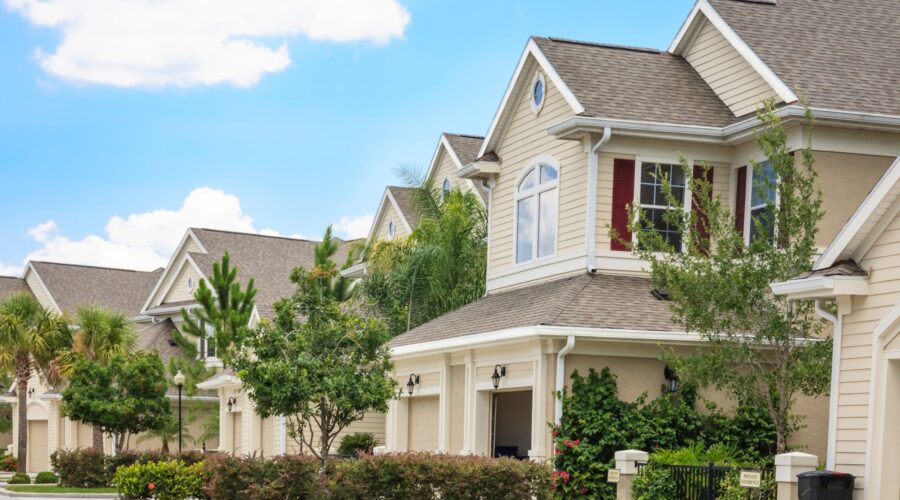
165,446
97,439
22,393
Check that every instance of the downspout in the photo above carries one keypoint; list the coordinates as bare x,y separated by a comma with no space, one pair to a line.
835,367
591,229
560,376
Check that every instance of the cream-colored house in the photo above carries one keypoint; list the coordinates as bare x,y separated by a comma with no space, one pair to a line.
859,274
63,288
579,133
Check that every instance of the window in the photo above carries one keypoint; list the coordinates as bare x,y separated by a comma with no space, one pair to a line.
445,188
536,213
762,199
208,343
538,90
190,284
653,200
391,230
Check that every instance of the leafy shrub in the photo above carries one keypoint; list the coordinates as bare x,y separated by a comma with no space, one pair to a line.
356,443
8,463
46,477
19,478
126,458
80,468
291,476
653,482
732,489
166,480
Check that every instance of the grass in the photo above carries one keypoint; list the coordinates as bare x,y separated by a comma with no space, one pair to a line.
52,488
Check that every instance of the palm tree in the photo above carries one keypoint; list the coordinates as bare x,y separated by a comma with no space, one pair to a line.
100,335
31,338
168,432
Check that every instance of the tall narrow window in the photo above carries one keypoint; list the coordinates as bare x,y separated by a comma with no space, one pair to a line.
653,200
762,199
391,230
208,343
537,199
445,187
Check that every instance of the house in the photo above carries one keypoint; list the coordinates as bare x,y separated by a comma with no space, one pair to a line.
859,273
62,289
578,136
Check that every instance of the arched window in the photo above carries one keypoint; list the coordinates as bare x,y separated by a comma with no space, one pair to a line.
445,188
537,197
391,230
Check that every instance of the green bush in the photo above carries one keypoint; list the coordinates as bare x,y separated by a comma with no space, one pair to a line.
8,463
732,489
81,468
166,480
19,478
228,477
46,477
654,482
356,443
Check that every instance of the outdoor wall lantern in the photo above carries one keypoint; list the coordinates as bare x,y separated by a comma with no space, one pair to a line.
31,393
231,402
671,379
412,383
499,371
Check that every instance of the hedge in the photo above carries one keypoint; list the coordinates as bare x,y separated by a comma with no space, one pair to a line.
165,480
88,468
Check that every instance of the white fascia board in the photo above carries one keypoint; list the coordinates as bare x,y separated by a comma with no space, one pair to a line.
531,49
220,382
379,213
822,287
193,398
167,310
188,260
30,269
445,144
162,278
356,271
399,212
679,45
479,168
861,217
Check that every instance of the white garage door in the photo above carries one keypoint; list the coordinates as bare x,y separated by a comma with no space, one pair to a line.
38,454
423,424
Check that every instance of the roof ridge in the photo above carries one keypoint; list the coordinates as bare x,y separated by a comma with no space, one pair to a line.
604,45
561,304
91,266
242,233
470,136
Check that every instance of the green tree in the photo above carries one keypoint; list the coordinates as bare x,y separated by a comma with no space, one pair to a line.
439,268
323,374
168,431
125,396
100,335
762,349
31,338
225,309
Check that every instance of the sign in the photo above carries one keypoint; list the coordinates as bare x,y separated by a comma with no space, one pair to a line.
750,479
612,476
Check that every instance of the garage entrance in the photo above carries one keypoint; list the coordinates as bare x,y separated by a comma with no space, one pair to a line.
511,424
423,424
38,453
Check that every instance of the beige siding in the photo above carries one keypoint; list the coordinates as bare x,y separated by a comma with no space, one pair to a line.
180,290
40,293
883,263
524,142
390,215
457,407
446,169
845,180
727,72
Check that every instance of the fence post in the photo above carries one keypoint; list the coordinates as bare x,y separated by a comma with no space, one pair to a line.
787,466
627,465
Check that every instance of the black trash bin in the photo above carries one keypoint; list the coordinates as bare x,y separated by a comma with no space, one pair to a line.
825,485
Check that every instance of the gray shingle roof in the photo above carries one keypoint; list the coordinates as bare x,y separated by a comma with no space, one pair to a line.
585,300
73,286
407,203
269,260
842,268
465,146
158,336
10,285
634,84
839,54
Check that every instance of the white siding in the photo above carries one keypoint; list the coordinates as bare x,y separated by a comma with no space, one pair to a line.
727,72
40,293
180,290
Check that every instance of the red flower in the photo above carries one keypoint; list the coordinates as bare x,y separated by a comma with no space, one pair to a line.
151,486
555,433
558,451
564,475
576,442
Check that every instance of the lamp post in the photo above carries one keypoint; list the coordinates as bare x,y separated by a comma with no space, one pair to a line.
179,382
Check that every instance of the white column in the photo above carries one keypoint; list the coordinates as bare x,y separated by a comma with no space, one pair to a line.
626,464
444,408
539,394
787,467
469,406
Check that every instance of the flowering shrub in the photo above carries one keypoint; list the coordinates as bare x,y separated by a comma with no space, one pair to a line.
166,480
358,442
86,467
8,463
228,477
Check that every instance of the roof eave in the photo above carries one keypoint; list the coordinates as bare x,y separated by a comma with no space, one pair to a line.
479,169
822,287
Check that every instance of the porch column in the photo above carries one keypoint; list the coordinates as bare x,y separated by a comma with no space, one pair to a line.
444,407
787,467
539,395
626,464
469,406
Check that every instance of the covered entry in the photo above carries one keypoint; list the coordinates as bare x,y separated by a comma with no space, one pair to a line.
423,424
511,424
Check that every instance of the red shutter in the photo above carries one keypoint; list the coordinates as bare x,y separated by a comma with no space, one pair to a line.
623,195
702,220
740,200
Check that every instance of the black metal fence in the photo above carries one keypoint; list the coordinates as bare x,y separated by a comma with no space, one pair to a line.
703,482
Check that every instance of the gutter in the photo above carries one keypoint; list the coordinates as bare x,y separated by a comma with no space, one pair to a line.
591,229
835,367
560,376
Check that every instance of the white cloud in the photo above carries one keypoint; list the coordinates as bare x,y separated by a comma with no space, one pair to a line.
353,227
143,240
10,270
156,43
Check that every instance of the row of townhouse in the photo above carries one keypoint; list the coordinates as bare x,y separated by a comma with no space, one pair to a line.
579,134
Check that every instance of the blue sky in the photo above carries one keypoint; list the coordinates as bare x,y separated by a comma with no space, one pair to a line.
302,146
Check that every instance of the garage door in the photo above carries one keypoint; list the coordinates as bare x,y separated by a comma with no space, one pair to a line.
423,424
38,454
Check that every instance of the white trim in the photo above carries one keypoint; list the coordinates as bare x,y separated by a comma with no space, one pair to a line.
822,287
188,234
557,265
220,382
172,279
432,167
535,191
355,271
703,6
536,107
888,323
478,168
864,215
636,199
379,213
593,152
159,311
30,268
531,49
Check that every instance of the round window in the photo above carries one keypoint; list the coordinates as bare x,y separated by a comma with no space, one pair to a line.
538,90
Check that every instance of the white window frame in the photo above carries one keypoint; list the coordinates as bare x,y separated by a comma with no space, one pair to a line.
391,230
748,195
535,191
446,187
638,163
536,107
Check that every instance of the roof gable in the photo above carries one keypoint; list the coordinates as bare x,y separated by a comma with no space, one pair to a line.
72,286
400,199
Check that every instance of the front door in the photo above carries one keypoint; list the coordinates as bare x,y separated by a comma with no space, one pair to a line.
511,424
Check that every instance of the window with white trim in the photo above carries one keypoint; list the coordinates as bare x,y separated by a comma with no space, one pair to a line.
537,197
445,188
538,92
762,198
208,343
391,230
654,203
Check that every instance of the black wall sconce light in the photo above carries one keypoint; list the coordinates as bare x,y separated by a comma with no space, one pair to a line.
412,383
231,402
499,372
31,393
671,379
